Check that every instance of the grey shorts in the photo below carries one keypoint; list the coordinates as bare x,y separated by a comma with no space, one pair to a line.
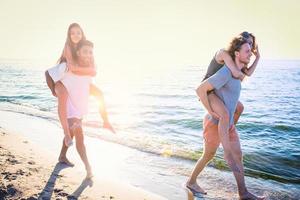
74,123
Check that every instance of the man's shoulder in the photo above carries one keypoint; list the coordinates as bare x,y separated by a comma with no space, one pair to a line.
225,68
224,71
74,79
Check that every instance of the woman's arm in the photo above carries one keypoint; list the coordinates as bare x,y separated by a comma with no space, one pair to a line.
82,70
249,70
223,56
75,68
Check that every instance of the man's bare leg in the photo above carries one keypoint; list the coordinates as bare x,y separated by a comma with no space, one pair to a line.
82,151
63,157
62,96
209,152
63,153
240,176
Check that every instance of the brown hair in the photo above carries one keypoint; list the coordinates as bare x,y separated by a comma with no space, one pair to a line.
246,35
70,44
235,45
84,43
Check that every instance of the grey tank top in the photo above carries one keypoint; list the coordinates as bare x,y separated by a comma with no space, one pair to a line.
213,67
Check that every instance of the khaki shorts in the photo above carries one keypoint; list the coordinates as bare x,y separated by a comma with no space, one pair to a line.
74,123
211,136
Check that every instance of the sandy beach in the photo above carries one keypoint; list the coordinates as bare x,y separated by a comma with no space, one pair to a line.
28,172
143,64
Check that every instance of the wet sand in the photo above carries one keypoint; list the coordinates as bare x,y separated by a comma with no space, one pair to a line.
28,172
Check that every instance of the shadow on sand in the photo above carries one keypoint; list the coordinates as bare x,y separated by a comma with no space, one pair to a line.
196,196
80,189
48,190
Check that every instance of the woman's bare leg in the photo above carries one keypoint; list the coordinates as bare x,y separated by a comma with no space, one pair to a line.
98,94
82,151
223,129
50,83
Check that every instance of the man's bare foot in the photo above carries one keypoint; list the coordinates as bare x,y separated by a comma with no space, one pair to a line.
65,160
195,188
249,196
89,173
108,126
68,140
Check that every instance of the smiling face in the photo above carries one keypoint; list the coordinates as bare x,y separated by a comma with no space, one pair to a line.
85,55
75,34
244,54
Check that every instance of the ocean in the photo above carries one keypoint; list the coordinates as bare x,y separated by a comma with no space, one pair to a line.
157,111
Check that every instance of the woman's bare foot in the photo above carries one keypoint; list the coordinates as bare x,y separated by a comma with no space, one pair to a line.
108,126
249,196
65,160
195,188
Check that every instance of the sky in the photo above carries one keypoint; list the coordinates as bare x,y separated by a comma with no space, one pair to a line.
147,33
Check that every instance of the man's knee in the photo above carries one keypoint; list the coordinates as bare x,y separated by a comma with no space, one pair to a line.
79,136
239,155
208,155
78,131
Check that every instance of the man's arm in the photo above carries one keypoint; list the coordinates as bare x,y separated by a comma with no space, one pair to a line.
223,55
202,92
218,80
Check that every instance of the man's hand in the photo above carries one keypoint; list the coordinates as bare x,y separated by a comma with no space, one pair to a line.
214,115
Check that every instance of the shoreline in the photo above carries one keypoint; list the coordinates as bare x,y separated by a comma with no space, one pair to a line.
116,165
22,162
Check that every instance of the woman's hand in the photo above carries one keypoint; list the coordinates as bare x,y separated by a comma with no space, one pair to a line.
256,52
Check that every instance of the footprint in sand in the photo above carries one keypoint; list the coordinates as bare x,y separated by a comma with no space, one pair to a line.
31,162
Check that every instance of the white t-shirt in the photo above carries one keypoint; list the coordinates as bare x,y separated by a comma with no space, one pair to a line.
78,88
